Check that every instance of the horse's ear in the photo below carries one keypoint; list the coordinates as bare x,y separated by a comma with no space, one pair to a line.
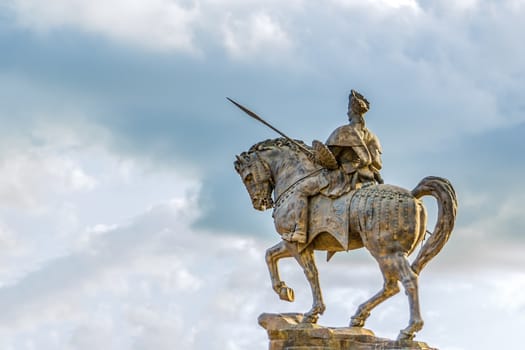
237,163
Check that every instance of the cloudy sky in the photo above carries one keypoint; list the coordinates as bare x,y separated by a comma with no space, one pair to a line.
123,224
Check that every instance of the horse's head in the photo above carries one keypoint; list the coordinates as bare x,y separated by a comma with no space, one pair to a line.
270,165
257,178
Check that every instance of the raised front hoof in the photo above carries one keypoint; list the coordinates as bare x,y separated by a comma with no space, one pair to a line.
287,294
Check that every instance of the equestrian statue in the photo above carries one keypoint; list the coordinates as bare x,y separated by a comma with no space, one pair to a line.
331,197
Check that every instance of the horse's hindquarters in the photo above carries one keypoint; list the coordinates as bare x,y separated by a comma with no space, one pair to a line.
388,219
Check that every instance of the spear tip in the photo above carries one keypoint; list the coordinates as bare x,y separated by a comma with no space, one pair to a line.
235,103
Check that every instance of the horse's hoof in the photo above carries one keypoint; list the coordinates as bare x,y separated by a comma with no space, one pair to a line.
405,336
357,322
410,332
310,318
287,294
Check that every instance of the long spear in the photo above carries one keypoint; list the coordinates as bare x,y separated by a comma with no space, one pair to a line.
259,119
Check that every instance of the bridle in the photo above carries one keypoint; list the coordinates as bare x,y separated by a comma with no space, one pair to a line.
267,170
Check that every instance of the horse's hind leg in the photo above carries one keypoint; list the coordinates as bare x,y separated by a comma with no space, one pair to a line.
409,280
390,288
273,255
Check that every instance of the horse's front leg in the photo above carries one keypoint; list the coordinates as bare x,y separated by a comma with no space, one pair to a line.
273,255
306,259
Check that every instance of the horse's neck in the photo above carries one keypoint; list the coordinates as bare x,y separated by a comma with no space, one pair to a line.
288,167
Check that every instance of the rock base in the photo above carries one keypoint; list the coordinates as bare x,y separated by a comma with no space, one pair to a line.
286,332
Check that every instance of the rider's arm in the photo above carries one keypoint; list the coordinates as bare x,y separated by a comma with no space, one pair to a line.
363,154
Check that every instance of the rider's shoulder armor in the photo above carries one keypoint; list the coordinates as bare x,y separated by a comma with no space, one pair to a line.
345,136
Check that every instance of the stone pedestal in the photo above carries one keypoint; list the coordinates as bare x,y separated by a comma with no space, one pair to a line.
286,332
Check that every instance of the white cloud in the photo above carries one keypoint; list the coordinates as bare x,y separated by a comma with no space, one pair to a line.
155,282
13,249
509,295
133,286
505,217
157,24
30,175
245,29
7,238
379,5
97,271
255,36
58,190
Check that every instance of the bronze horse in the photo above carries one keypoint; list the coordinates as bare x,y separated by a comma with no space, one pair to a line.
387,220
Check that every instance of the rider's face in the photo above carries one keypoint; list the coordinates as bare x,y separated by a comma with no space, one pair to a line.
356,106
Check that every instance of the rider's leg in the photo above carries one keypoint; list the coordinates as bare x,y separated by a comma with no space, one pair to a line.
309,187
300,210
299,234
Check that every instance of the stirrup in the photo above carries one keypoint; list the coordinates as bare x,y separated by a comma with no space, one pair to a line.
298,236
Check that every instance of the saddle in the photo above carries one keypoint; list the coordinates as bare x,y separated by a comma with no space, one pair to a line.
331,215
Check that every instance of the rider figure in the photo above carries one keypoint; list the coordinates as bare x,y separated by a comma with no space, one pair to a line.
354,154
356,149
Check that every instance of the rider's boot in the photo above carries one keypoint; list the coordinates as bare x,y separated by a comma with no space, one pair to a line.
298,236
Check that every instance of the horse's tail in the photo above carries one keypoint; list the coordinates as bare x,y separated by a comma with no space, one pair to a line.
442,190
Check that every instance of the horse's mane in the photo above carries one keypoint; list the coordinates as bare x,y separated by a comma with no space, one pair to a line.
277,143
268,145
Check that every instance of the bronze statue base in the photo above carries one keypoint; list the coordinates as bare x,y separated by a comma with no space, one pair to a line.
286,332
